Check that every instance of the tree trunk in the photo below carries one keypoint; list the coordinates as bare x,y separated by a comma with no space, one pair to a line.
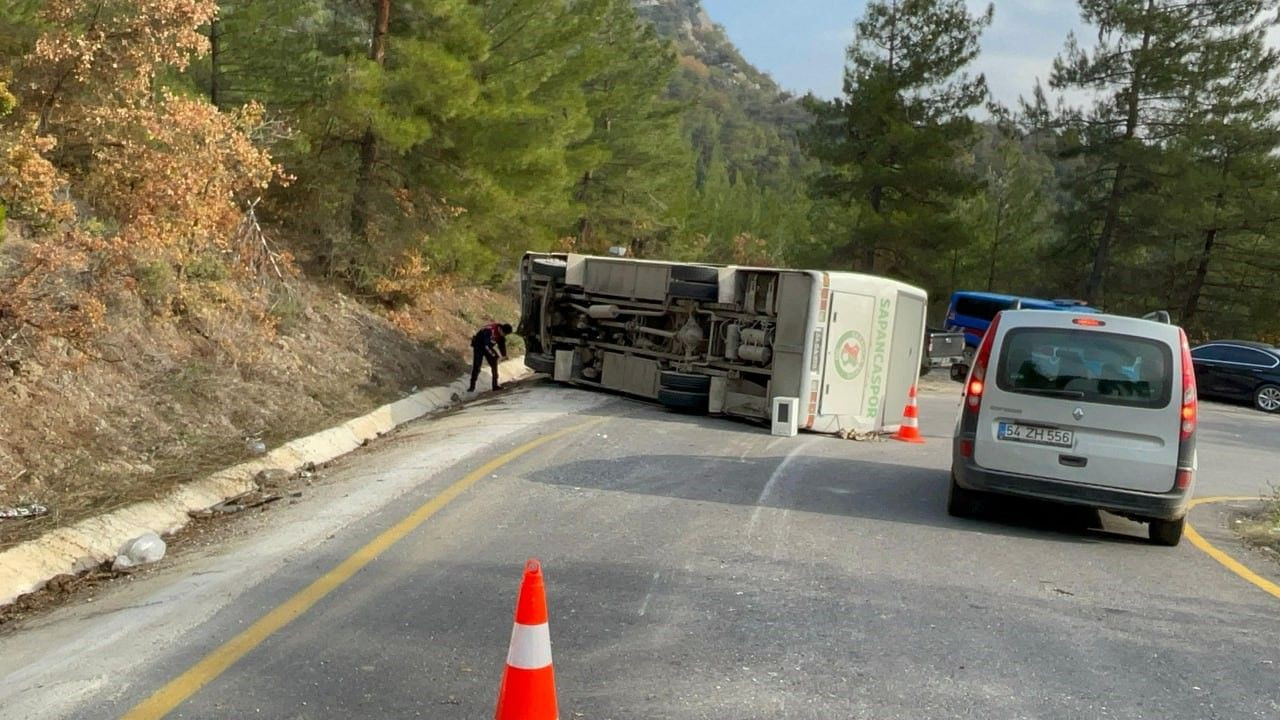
1094,286
584,221
369,143
875,197
955,270
1202,266
1197,281
995,246
215,63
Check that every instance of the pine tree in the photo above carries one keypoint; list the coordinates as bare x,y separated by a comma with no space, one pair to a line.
891,145
504,158
1152,58
272,52
361,179
635,164
1233,133
1016,223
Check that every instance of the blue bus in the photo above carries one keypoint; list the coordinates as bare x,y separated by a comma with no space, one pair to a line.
971,312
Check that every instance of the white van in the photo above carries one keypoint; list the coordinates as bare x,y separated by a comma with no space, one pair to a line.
1093,410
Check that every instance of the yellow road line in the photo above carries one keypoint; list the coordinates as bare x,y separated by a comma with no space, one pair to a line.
169,697
1226,560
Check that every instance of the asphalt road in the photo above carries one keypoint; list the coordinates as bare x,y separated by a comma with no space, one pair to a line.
696,568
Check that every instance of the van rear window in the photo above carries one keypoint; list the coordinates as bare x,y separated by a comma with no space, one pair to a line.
1087,366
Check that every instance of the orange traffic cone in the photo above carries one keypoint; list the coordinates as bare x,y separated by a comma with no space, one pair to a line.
528,690
909,431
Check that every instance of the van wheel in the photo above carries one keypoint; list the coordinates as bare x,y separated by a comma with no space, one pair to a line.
961,502
1267,399
1166,532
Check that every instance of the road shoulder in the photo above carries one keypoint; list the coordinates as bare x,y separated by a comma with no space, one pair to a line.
42,667
1209,529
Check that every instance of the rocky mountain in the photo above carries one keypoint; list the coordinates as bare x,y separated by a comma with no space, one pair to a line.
737,112
698,37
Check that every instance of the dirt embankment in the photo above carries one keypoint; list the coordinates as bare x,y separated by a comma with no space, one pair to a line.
160,398
1261,528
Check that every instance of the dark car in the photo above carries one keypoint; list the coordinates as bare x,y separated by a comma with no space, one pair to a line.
1241,371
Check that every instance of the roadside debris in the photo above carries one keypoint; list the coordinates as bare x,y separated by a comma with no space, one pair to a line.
272,477
255,446
21,512
856,436
142,550
239,503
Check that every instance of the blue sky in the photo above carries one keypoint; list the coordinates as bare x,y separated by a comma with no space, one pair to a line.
801,43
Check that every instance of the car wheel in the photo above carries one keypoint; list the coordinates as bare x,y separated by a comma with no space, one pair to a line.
681,401
959,372
695,273
693,290
924,369
1166,532
961,502
686,382
545,364
1267,399
551,268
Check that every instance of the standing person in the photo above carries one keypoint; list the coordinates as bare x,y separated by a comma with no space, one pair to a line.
488,344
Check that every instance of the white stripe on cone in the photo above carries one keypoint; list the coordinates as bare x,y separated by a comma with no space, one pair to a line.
910,422
530,647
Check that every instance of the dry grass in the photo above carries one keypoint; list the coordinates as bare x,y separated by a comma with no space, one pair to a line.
160,399
1262,529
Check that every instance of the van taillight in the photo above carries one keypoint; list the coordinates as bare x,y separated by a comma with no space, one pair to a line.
978,375
1190,404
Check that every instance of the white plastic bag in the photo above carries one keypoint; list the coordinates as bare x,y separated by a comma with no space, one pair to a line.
144,549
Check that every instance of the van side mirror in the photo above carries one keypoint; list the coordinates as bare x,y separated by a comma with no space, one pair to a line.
1160,316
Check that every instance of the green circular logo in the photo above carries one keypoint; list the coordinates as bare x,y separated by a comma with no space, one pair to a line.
851,355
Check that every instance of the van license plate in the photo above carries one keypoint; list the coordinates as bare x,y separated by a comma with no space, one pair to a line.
1036,435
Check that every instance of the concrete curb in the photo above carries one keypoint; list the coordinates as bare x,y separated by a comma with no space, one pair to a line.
28,566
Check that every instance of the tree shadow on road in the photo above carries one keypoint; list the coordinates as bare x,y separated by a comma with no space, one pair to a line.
831,486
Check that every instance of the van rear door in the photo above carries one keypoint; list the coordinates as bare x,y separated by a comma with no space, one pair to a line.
1089,401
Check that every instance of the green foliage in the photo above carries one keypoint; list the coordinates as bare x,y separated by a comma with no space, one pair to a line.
21,23
1011,220
891,147
156,283
1158,71
207,267
634,165
748,169
470,132
287,308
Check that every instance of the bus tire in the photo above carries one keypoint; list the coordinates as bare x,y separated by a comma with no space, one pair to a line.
695,273
681,289
686,382
685,402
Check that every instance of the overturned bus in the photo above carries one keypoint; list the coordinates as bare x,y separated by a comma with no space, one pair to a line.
838,351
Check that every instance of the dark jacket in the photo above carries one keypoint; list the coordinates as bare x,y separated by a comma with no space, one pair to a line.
488,337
